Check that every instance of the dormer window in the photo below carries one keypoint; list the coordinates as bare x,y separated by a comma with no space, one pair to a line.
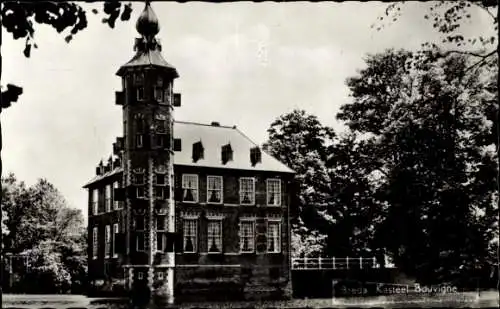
255,156
227,153
198,151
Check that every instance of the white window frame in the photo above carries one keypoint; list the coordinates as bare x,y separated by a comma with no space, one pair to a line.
252,237
95,243
163,235
241,191
95,201
210,235
193,188
269,184
107,197
116,204
221,189
116,230
138,189
107,241
271,238
160,275
137,234
192,233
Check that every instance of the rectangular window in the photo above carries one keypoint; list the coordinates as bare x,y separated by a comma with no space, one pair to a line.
215,236
190,228
247,236
107,243
274,192
107,198
160,275
139,78
190,188
95,201
138,178
140,192
161,223
158,94
161,241
116,204
139,241
158,191
95,243
160,179
214,189
273,237
115,232
140,275
140,93
247,191
138,140
139,223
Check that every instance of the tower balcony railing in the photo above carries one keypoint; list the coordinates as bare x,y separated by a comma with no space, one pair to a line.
316,263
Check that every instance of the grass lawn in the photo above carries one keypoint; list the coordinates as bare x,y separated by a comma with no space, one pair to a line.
469,299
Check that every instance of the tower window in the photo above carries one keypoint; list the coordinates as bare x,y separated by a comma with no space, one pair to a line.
107,198
159,192
140,192
140,241
161,241
160,222
115,232
139,78
159,81
140,222
140,93
160,179
158,94
138,140
107,243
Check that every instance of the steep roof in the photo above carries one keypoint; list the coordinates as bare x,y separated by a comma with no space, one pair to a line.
213,137
147,58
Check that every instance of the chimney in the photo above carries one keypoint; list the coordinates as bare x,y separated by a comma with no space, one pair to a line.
215,124
255,155
227,153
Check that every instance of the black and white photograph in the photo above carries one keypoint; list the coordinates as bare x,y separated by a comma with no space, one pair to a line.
238,154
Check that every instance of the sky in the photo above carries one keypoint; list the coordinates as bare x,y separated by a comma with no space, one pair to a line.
239,63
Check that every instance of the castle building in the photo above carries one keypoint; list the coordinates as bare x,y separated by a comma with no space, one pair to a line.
183,208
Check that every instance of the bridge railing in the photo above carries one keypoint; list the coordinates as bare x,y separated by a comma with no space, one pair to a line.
334,263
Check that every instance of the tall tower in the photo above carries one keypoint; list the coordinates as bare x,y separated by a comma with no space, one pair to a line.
147,100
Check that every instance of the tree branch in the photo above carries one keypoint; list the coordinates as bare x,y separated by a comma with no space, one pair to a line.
447,53
484,58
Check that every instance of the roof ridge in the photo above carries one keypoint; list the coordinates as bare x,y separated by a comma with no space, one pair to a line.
206,124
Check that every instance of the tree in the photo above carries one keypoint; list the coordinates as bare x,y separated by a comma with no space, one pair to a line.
300,141
51,234
430,132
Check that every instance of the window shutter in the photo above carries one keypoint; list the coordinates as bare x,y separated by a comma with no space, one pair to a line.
177,144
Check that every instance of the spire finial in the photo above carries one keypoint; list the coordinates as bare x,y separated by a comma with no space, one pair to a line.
147,23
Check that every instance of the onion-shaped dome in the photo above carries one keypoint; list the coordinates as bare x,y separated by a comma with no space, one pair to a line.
147,23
